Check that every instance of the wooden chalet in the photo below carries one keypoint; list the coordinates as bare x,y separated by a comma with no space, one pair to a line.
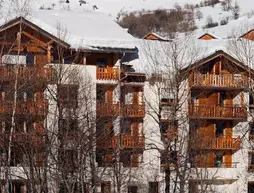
248,35
154,36
27,51
207,36
216,104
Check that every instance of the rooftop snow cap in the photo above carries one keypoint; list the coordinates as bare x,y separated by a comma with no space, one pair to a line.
84,30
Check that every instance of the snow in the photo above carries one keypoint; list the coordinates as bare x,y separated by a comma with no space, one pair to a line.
83,30
113,7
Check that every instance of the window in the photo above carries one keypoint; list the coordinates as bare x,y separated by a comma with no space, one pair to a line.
219,129
68,160
218,160
125,158
132,189
251,160
193,186
169,158
101,62
68,95
128,98
68,125
250,187
18,187
167,96
16,158
168,129
251,133
153,187
29,59
106,187
100,94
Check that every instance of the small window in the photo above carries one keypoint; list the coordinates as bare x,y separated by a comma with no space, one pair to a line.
153,187
251,132
193,186
101,62
68,95
219,129
132,189
250,187
169,158
251,160
18,187
30,59
106,187
68,160
68,125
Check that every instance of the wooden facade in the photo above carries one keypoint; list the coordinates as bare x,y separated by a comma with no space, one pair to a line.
216,104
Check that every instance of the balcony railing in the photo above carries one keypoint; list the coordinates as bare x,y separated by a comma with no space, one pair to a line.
133,141
25,107
26,73
22,139
215,164
122,141
127,110
133,110
221,80
219,143
107,109
217,112
108,73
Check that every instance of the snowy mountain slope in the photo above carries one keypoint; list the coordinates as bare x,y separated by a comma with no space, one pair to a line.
112,7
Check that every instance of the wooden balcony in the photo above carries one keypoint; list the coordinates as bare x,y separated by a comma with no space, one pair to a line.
127,110
107,109
213,143
108,73
220,81
133,141
199,111
26,73
133,110
22,139
25,107
107,142
122,141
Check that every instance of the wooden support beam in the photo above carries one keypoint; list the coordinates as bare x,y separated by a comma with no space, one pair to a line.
36,40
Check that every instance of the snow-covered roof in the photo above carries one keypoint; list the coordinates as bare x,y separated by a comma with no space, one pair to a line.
82,30
209,34
157,57
156,35
86,30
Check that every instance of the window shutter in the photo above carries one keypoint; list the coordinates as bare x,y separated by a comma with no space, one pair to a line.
227,159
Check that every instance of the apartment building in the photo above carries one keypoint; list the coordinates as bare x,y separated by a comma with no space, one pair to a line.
76,115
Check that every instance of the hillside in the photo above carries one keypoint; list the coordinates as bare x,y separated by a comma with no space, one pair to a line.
215,14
